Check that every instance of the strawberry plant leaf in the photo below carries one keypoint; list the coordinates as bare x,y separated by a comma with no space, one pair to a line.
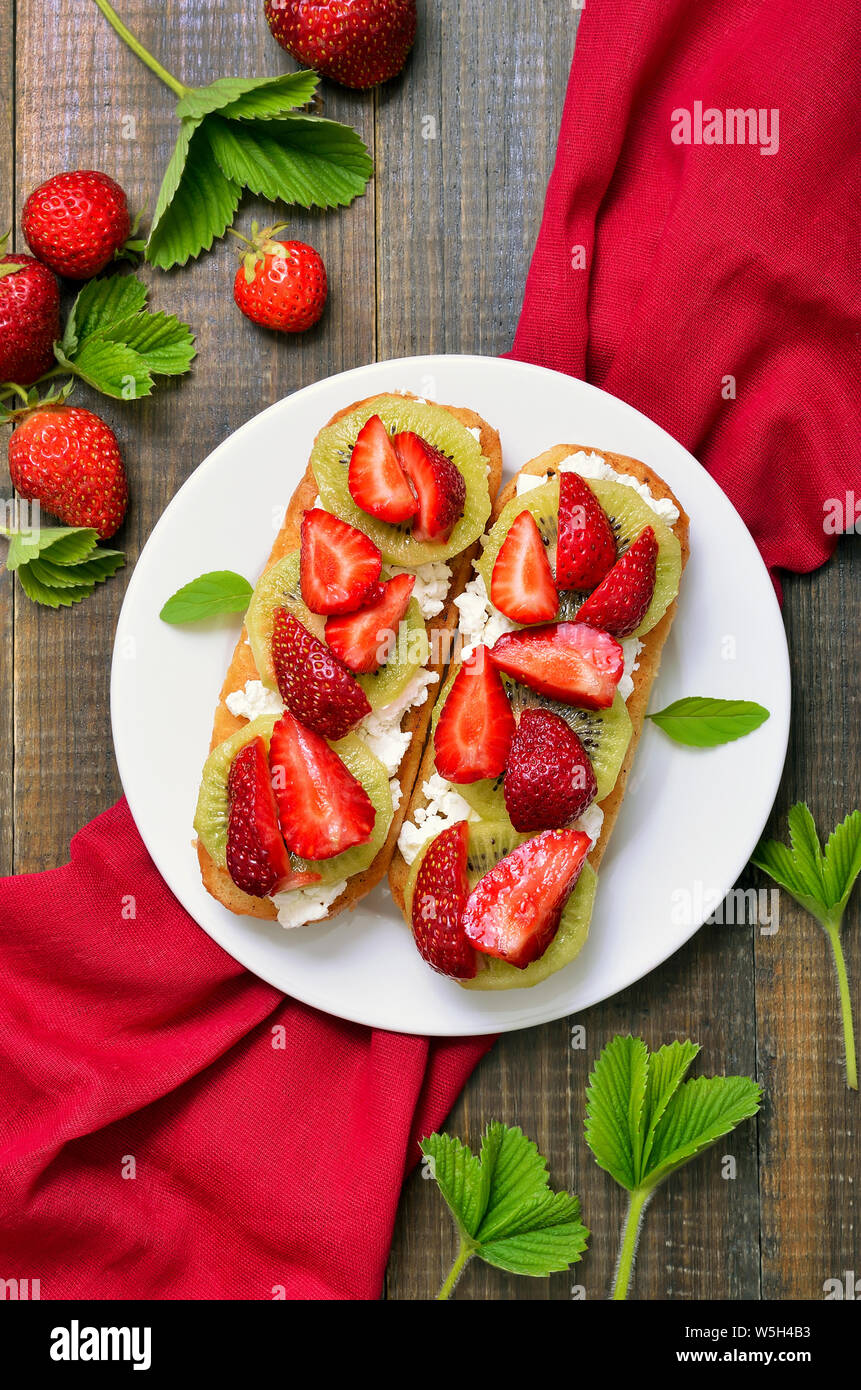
173,173
164,342
821,882
258,97
112,368
49,597
703,722
644,1121
200,209
56,542
219,591
100,304
103,564
503,1207
303,159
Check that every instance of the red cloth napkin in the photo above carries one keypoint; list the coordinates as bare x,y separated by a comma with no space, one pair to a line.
134,1044
705,262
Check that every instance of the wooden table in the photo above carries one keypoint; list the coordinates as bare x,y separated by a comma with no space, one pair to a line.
433,259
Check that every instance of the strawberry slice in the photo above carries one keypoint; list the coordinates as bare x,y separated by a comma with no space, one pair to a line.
549,780
586,546
620,601
439,484
313,683
257,858
364,640
522,585
376,480
322,808
476,725
439,897
514,910
571,662
339,567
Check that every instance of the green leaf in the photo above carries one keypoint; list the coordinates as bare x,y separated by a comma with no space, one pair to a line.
260,97
842,861
643,1120
57,542
219,591
302,159
100,304
49,597
110,367
702,722
103,564
201,208
173,173
503,1206
165,344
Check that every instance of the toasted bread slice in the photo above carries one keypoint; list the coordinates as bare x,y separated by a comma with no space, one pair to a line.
243,668
547,465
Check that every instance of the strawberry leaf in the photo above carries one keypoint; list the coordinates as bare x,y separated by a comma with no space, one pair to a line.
55,542
164,342
112,368
113,343
304,159
219,591
49,597
201,207
259,97
503,1207
702,722
100,304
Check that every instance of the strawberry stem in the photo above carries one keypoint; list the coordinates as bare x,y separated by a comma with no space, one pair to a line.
138,49
832,930
464,1255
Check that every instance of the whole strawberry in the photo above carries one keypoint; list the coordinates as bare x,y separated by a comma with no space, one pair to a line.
355,42
29,319
76,222
280,284
69,461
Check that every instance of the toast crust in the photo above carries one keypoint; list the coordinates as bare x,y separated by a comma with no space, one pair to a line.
649,659
243,668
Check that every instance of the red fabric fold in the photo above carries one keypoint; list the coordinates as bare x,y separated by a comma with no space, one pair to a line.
267,1141
172,1127
705,262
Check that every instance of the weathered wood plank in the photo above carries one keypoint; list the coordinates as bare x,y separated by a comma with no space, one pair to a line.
810,1136
65,771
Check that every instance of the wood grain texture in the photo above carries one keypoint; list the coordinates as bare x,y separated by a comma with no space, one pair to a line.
433,259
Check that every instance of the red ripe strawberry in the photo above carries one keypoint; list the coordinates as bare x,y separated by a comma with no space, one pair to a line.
514,910
586,546
257,858
522,585
376,480
355,42
620,602
363,640
549,780
322,808
439,897
476,725
281,284
313,683
571,662
69,461
439,484
29,319
339,566
76,222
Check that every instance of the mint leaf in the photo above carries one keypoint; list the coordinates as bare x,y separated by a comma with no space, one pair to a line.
219,591
702,722
56,542
822,883
503,1207
200,209
305,160
250,97
644,1121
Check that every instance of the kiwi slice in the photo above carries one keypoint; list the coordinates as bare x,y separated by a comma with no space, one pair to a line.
279,587
211,817
604,733
628,515
488,843
330,459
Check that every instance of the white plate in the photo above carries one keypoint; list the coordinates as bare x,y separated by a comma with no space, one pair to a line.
690,818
